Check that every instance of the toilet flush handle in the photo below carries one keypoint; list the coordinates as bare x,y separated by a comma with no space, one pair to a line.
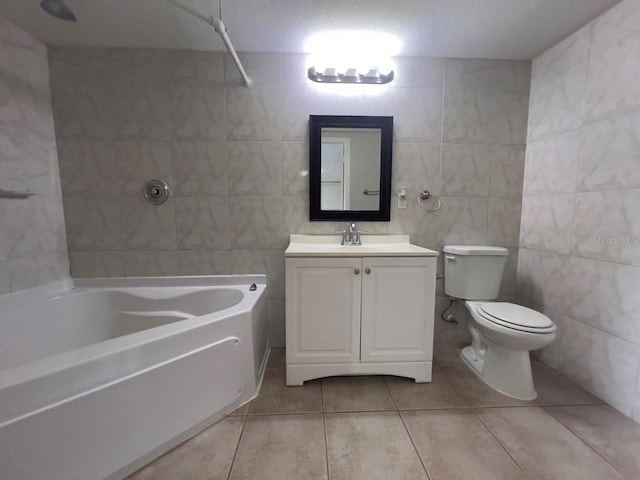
450,258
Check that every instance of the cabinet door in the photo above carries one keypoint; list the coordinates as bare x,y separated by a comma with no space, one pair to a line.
398,299
323,309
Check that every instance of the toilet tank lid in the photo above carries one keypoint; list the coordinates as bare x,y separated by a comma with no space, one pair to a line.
476,250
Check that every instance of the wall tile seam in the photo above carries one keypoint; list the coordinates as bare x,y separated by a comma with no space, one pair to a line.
583,108
177,195
37,195
544,251
494,60
119,139
513,197
80,138
607,45
635,402
109,251
174,196
631,188
608,117
521,247
566,272
586,26
552,135
573,223
87,138
389,87
548,195
536,85
129,195
164,250
537,306
586,322
36,253
505,245
632,345
441,142
175,230
141,82
470,144
477,196
441,153
548,78
488,90
16,68
257,197
283,187
573,255
252,142
12,65
235,83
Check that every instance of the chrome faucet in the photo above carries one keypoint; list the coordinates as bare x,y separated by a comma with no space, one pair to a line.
351,236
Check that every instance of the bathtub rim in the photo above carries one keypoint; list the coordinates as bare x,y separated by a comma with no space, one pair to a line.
41,368
59,287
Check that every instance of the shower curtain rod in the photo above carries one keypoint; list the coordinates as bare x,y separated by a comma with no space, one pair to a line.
219,27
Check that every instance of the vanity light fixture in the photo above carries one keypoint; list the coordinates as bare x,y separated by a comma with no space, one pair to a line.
352,57
351,75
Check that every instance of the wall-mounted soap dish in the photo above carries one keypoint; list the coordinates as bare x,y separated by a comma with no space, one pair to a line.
13,188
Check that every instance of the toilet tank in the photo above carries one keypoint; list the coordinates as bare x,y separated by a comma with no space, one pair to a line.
473,272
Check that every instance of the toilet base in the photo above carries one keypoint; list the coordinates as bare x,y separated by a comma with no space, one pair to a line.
505,370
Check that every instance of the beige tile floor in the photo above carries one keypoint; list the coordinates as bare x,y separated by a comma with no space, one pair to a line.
391,428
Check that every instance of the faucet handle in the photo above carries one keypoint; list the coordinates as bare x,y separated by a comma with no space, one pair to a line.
345,236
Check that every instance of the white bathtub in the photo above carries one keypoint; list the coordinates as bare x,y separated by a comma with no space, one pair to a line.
99,379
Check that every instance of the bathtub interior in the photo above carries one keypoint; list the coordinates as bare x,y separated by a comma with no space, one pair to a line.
134,312
79,318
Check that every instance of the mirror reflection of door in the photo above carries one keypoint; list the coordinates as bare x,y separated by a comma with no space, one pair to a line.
350,173
334,184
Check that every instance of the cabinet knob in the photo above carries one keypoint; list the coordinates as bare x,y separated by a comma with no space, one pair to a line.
356,271
367,271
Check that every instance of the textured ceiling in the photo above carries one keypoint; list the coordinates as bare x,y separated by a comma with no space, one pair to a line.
503,29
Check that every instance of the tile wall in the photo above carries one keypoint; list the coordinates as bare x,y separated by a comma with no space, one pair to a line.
580,234
236,159
33,248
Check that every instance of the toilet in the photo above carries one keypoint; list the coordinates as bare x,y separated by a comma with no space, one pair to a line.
502,333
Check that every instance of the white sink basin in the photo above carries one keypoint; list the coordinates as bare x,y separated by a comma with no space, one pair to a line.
372,246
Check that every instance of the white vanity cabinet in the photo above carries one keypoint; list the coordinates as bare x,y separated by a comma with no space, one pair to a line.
356,312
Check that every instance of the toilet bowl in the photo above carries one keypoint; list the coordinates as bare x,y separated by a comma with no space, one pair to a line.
502,333
502,336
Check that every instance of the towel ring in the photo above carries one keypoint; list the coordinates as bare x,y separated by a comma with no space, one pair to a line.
425,195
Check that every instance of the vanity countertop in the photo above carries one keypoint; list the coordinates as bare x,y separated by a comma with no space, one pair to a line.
372,246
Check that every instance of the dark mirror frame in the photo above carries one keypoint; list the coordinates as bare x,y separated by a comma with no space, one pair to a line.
316,124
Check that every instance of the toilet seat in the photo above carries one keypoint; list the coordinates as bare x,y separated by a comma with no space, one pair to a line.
516,317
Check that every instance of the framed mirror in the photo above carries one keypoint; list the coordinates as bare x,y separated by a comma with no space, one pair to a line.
350,167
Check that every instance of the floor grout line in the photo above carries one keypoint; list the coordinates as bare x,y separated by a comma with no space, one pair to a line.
283,414
475,410
526,474
235,453
420,409
324,427
415,448
585,442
